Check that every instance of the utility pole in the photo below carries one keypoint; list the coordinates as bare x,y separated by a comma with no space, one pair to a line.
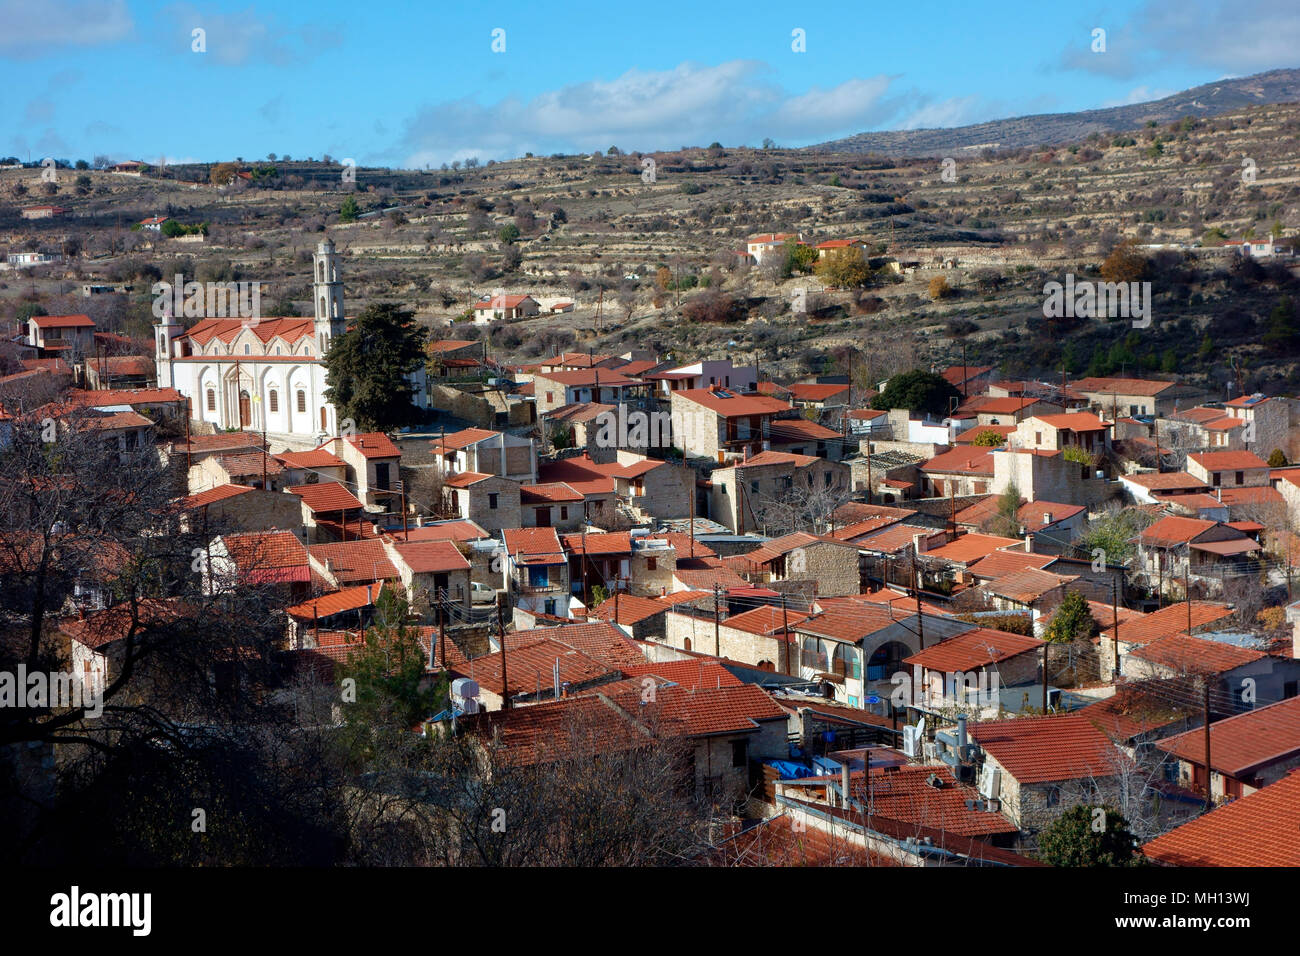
505,687
785,637
1209,801
1045,646
1187,588
1114,633
916,589
442,632
717,621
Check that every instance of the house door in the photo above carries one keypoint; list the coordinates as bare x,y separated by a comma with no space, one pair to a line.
543,517
323,426
245,410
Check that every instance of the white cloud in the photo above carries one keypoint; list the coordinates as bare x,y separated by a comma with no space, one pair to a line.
733,102
1139,94
238,38
32,29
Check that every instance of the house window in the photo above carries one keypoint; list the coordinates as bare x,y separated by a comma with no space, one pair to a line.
827,476
1053,796
247,349
550,397
1216,479
1241,477
538,576
564,513
273,400
1038,438
212,400
302,400
492,500
650,564
753,487
739,753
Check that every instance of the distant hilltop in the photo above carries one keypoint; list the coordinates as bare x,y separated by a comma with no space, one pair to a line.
1048,129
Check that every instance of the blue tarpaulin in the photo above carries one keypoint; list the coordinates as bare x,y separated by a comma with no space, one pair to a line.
790,770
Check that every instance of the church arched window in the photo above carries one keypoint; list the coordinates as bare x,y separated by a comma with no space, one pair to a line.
320,271
212,400
302,400
273,401
323,310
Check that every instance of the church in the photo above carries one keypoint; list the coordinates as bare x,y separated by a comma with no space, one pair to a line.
264,375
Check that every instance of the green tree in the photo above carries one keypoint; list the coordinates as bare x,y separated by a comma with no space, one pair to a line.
799,257
508,233
1113,534
846,268
1006,520
1071,620
1277,458
389,689
918,391
1089,836
366,368
349,210
989,438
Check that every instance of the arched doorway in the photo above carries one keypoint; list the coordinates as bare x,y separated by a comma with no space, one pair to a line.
245,409
887,660
686,644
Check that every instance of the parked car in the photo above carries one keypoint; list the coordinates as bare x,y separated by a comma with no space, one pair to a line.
481,593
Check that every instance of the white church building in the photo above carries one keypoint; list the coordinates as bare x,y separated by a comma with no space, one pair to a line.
263,374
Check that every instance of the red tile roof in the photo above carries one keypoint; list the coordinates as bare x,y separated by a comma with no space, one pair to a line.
629,608
816,393
967,460
324,496
374,445
465,479
1188,654
1027,585
431,557
1120,386
1245,743
63,321
597,639
580,473
1228,460
355,560
316,458
100,628
1256,830
534,545
970,547
765,458
253,463
462,530
973,650
1047,749
269,556
556,492
212,495
735,404
904,794
462,439
336,602
1074,422
765,620
1144,628
612,542
1165,481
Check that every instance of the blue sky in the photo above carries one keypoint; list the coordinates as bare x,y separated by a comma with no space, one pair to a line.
410,84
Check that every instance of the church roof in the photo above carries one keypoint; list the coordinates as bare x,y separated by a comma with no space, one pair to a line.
290,329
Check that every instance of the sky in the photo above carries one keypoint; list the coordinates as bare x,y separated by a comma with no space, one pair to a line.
425,83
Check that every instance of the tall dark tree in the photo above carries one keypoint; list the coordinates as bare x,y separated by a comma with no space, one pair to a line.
368,368
917,391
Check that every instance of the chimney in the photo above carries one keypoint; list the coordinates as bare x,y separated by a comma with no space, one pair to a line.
370,594
961,736
844,782
1047,518
1029,542
920,542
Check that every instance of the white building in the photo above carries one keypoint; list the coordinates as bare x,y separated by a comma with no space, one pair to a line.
262,374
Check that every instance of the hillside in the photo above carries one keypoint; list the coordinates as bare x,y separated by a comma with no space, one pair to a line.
1053,129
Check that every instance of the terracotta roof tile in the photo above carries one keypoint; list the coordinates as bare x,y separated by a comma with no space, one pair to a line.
1047,749
1256,830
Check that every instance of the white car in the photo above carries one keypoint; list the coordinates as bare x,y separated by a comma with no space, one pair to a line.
481,593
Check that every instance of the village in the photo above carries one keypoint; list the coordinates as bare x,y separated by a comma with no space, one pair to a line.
925,622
